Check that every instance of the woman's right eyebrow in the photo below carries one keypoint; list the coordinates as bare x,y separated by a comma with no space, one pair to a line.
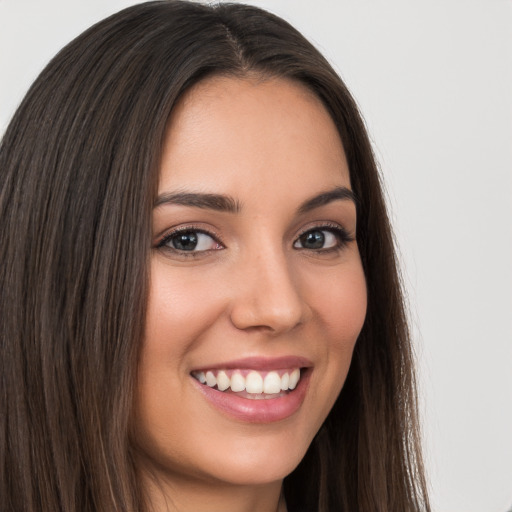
218,202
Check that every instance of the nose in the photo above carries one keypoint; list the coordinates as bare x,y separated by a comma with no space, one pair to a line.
268,295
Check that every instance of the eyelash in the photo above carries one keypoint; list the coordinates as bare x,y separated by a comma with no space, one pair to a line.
166,239
342,237
341,234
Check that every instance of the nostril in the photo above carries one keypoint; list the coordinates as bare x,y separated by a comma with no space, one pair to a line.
256,318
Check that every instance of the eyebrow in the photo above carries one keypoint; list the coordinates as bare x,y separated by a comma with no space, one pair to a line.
218,202
336,194
225,203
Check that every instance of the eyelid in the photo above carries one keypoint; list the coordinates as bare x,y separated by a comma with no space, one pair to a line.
168,233
343,234
325,226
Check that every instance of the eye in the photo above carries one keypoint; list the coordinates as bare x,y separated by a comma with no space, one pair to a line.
190,240
322,239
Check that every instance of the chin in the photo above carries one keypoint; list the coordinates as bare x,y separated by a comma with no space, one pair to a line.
268,454
256,470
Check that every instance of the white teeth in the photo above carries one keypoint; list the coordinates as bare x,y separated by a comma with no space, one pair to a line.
237,382
285,380
223,381
294,379
254,383
272,383
210,379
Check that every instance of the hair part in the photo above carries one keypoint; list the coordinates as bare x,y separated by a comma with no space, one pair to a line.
79,165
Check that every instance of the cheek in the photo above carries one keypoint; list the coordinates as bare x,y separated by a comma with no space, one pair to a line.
181,306
349,307
347,316
340,305
180,309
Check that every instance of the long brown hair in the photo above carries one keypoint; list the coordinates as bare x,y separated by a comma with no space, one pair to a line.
79,169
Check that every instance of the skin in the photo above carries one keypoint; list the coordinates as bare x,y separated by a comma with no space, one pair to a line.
254,291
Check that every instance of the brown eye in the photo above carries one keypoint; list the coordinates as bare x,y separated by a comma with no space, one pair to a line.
316,239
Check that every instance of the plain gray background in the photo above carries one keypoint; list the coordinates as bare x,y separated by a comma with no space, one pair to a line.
434,82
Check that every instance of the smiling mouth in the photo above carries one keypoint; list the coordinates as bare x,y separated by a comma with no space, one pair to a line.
251,384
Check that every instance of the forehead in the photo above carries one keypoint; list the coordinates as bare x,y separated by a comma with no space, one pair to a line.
240,135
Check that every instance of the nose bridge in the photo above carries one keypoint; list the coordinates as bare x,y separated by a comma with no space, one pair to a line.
268,293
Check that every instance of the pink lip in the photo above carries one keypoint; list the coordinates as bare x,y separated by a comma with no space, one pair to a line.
260,411
260,364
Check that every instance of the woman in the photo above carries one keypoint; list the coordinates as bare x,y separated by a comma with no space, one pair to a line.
192,219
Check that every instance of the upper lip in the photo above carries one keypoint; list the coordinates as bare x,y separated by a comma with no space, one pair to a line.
260,363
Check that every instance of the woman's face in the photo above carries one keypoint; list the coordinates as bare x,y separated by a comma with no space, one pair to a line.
255,278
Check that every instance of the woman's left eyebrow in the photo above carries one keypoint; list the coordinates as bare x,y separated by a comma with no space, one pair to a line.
336,194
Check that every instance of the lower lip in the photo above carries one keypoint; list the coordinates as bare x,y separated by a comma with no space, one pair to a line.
258,411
